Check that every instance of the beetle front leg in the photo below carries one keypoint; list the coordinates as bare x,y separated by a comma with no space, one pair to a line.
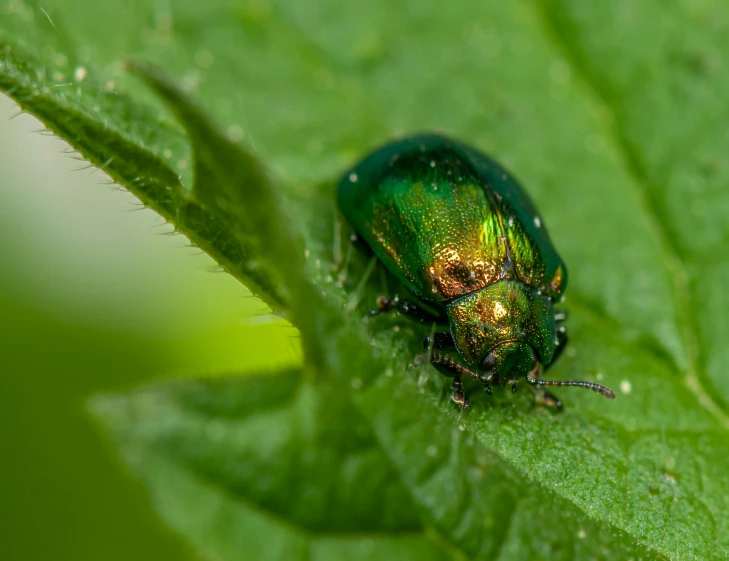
449,367
406,308
547,397
551,400
458,396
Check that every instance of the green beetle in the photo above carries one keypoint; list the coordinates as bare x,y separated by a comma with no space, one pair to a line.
461,235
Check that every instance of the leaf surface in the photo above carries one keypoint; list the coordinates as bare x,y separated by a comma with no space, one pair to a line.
613,117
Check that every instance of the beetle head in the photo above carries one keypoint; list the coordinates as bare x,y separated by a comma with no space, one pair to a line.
504,329
509,360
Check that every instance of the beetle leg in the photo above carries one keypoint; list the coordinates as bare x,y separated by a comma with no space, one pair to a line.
487,379
549,399
449,367
458,396
439,340
406,308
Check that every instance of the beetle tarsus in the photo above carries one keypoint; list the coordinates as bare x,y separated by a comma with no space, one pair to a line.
450,367
544,396
551,400
458,396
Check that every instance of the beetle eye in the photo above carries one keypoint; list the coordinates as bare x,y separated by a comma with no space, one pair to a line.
489,361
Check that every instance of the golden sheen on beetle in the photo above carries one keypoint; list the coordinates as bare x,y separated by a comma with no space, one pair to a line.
465,240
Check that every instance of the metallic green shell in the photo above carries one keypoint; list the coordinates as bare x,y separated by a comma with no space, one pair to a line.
447,220
504,311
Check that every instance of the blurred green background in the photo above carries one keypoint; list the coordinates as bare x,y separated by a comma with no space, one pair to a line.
91,300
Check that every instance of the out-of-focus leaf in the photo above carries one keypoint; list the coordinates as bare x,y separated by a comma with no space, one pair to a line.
268,468
282,467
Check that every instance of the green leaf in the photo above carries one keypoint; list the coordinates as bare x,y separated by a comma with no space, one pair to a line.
228,181
267,468
280,467
612,115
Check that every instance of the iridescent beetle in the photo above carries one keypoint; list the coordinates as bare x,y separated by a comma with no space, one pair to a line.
461,235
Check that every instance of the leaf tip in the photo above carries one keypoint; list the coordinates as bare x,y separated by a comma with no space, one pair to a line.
108,410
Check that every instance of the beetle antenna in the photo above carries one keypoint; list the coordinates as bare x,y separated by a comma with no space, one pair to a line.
598,388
